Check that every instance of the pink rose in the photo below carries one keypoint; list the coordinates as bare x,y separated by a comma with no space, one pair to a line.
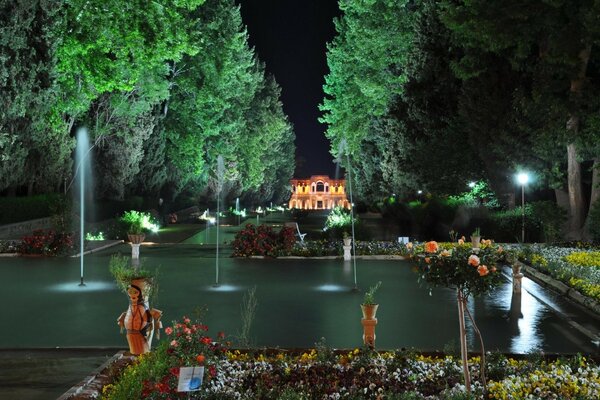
474,260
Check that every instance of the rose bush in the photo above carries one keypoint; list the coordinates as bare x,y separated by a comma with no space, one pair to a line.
263,241
46,242
469,271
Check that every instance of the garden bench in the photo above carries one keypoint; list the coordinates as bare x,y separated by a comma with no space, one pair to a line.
294,225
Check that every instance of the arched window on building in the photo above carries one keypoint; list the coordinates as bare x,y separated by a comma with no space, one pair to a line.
320,186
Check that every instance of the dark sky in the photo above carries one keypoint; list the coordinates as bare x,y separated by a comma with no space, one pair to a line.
290,37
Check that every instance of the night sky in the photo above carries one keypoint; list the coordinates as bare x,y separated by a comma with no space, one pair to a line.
290,36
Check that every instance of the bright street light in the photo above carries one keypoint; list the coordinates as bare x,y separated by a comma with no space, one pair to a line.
523,178
471,185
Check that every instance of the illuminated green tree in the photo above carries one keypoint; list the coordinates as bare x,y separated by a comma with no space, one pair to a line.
33,152
366,61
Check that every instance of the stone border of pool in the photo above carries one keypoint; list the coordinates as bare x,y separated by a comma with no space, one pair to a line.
560,287
91,386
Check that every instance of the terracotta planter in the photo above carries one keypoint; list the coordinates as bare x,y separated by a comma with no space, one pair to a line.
369,310
136,239
368,323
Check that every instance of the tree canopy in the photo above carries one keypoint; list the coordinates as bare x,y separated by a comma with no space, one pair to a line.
163,88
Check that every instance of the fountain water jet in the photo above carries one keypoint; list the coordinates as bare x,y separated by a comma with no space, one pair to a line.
220,173
343,147
83,168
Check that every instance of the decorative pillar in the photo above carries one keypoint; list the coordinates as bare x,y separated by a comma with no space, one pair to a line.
517,277
135,251
347,254
135,241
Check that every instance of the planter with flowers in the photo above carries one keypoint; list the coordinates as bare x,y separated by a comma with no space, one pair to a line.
347,238
476,238
369,310
469,271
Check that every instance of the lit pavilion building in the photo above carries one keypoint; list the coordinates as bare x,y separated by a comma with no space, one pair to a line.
318,193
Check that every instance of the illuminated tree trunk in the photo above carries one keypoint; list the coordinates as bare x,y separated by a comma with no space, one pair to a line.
462,302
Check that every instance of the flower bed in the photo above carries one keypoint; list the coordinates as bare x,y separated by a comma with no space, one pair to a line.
358,374
574,267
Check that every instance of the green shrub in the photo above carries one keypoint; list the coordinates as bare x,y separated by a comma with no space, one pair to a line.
339,217
18,209
550,218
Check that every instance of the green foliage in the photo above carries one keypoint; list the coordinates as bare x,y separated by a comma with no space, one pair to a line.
152,375
365,61
370,294
339,218
594,221
17,209
550,219
248,312
459,267
123,273
137,222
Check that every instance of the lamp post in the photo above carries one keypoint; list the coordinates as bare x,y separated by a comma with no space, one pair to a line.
523,178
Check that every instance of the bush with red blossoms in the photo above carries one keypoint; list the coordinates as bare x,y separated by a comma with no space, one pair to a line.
155,375
46,242
263,241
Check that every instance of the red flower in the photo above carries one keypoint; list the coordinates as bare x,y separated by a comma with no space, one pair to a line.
206,340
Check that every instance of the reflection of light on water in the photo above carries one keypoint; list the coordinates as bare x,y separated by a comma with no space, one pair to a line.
332,288
528,337
89,287
223,288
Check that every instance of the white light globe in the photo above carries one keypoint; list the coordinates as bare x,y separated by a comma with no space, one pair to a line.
523,178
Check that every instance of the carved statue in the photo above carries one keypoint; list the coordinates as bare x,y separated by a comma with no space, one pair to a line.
139,320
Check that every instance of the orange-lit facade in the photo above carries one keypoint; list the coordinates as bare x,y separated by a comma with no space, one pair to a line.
318,193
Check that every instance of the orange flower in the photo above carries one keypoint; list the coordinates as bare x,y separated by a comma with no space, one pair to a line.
483,270
200,358
427,260
474,260
461,241
409,245
431,247
493,269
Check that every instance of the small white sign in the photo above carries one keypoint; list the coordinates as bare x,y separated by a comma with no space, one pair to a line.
402,239
190,379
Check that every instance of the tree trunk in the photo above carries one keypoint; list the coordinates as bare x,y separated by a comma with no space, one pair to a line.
576,201
464,350
595,192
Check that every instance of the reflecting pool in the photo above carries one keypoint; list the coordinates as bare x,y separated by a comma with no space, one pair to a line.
299,302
